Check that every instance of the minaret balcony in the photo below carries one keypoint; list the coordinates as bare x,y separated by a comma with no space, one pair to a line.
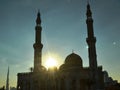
38,45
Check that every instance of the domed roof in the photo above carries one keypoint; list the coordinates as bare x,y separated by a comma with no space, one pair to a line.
73,59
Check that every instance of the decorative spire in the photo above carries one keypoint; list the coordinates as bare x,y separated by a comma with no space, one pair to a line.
89,13
38,20
7,81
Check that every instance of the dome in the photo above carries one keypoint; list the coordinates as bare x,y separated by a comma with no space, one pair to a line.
73,59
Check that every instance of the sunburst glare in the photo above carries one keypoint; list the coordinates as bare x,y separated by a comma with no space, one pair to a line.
50,62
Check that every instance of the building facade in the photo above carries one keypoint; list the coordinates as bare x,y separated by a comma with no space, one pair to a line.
71,75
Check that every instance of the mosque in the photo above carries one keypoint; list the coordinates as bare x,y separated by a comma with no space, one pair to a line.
71,75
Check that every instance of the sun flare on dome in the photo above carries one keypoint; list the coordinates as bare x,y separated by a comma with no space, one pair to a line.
50,62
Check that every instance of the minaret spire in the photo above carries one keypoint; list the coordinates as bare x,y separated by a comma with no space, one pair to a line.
38,20
38,45
89,13
7,81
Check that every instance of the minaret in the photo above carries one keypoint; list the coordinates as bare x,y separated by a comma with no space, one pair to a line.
91,40
7,81
38,45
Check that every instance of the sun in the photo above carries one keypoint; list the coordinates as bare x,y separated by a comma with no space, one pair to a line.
50,62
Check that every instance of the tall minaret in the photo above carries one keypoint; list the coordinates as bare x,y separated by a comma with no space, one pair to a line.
38,45
7,81
91,40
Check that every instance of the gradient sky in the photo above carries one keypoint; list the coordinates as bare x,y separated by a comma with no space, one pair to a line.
64,30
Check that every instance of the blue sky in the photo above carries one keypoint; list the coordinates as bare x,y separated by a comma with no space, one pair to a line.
64,30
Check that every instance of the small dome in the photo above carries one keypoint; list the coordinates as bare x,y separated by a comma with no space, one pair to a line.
73,59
